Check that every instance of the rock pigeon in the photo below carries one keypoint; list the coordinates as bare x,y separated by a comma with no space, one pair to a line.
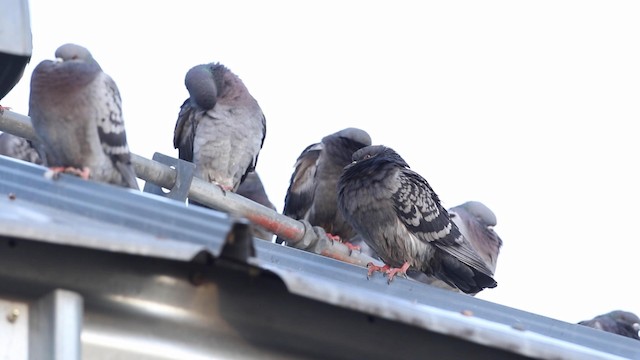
400,216
18,148
312,193
220,127
76,113
476,221
252,189
618,322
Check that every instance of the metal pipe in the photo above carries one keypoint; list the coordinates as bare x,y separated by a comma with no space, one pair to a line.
300,234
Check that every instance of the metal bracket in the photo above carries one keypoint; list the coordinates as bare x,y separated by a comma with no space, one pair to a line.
184,177
239,242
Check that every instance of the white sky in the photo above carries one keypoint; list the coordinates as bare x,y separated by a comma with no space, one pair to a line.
528,107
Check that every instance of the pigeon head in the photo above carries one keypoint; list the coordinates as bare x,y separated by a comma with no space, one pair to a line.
74,69
73,52
378,153
356,135
481,212
202,86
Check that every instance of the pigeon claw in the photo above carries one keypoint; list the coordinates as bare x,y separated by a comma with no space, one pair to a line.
392,272
334,237
345,243
3,108
224,188
373,268
55,171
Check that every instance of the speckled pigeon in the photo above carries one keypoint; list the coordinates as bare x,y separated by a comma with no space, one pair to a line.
18,148
476,221
619,322
253,189
220,127
312,193
76,112
400,216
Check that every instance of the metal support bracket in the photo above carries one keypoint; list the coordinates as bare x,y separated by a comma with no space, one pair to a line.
184,177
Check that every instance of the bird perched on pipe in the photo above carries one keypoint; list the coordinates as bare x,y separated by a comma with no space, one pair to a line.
220,127
76,113
312,193
400,216
476,221
619,322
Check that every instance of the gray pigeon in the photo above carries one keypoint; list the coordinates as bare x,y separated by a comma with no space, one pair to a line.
252,189
18,148
312,193
618,322
220,127
400,216
76,112
476,221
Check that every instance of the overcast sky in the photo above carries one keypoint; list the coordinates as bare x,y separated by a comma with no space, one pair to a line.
529,107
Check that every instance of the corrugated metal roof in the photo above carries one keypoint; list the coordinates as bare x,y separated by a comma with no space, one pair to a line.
79,214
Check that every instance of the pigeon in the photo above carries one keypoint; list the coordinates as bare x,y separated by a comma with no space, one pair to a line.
618,322
220,127
18,148
312,193
76,113
476,221
400,216
252,189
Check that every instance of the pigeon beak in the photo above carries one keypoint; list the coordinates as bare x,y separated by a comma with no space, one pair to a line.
636,327
58,60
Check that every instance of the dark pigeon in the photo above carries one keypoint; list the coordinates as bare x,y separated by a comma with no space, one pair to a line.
312,193
400,216
76,113
618,322
220,127
476,221
253,189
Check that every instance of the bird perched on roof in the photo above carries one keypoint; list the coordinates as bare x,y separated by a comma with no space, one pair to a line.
476,221
400,216
618,322
18,148
76,113
220,127
312,193
253,189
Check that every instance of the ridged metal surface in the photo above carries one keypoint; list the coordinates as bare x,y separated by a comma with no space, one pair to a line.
149,292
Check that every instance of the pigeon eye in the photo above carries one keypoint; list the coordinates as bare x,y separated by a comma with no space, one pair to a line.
368,156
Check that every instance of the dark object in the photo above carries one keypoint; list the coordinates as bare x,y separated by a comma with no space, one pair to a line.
312,193
15,43
618,322
401,218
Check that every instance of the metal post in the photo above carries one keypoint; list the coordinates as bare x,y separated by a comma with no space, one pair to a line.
55,324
